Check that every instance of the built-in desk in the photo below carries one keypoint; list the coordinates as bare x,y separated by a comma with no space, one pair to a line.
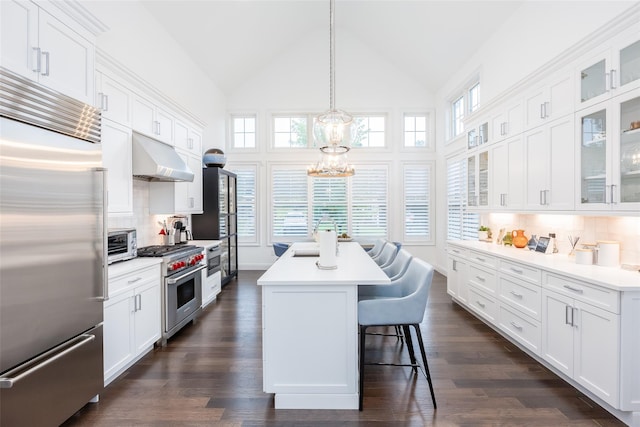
310,328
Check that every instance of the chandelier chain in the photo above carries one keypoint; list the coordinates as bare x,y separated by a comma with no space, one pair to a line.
332,55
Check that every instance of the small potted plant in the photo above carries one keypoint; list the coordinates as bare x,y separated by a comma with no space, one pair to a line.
484,233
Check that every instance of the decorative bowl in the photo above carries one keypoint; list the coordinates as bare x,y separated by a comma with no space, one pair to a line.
214,157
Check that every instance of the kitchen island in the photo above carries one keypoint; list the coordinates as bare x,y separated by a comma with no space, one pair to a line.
310,327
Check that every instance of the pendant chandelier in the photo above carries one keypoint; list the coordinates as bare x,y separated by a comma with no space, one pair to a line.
332,127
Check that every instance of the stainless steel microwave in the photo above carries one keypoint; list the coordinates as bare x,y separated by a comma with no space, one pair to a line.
122,245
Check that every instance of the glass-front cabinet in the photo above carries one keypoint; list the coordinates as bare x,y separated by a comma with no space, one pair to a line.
613,70
610,154
478,179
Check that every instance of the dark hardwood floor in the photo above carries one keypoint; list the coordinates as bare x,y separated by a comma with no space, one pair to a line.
210,374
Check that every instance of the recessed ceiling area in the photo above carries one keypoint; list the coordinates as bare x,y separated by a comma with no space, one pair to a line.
233,40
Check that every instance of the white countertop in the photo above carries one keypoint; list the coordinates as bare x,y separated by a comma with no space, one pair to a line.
125,267
355,267
609,277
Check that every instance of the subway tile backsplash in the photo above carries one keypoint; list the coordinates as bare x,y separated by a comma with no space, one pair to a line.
624,229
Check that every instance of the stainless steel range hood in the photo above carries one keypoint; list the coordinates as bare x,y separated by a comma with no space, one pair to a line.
156,161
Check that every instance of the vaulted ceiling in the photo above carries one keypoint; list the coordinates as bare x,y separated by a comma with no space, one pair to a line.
233,39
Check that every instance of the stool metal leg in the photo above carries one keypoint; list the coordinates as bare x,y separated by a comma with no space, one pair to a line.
426,365
409,341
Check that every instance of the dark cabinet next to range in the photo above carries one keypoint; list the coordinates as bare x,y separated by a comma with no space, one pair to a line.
219,220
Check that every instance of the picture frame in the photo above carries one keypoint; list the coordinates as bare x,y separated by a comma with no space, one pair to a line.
543,245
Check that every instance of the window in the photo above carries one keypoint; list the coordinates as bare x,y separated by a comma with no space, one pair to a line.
358,204
243,130
457,114
247,204
289,205
369,202
369,131
415,130
418,187
474,97
464,102
461,225
290,132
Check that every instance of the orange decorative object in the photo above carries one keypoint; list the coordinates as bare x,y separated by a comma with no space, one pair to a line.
519,239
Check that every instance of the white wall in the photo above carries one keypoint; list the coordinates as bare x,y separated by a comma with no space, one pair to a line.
536,33
298,81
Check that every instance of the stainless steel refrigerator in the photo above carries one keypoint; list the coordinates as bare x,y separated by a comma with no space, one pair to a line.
52,265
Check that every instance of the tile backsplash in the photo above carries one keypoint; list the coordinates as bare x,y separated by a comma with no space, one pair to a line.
624,229
146,225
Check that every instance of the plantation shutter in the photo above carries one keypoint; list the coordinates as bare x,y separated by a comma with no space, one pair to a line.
289,203
369,202
417,202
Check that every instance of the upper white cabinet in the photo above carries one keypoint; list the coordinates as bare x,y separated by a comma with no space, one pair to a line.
549,153
508,120
152,120
609,154
114,99
178,197
478,179
612,70
116,157
46,49
551,99
477,135
507,174
187,139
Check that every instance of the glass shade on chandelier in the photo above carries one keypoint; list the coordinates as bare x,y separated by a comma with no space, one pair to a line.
332,128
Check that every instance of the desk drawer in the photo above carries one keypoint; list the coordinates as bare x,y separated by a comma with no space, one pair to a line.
483,304
522,296
524,272
607,299
484,279
522,329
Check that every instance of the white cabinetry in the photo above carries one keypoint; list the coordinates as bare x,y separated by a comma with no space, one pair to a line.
552,99
507,121
457,274
549,154
211,286
478,179
609,155
114,99
187,139
116,157
49,49
132,319
610,71
582,341
507,174
152,120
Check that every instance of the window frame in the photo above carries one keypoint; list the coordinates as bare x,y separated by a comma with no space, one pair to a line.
430,238
430,131
231,132
463,92
288,114
385,131
255,167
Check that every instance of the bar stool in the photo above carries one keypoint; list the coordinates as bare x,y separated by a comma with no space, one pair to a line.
280,248
405,310
387,255
377,248
399,265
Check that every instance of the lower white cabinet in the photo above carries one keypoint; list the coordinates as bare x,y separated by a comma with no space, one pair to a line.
457,278
211,286
582,341
132,320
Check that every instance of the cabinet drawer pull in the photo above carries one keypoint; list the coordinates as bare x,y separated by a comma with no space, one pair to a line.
137,279
46,62
515,325
517,270
515,294
612,79
38,61
482,279
480,304
455,250
571,288
480,259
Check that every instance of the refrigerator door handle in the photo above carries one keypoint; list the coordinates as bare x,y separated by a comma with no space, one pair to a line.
8,382
105,234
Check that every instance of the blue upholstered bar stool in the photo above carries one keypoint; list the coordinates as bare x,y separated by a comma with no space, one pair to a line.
280,248
377,248
404,306
387,255
399,264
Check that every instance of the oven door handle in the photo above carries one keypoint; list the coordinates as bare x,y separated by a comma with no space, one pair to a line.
175,280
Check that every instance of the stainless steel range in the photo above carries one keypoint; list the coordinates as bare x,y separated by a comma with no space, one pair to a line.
182,284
